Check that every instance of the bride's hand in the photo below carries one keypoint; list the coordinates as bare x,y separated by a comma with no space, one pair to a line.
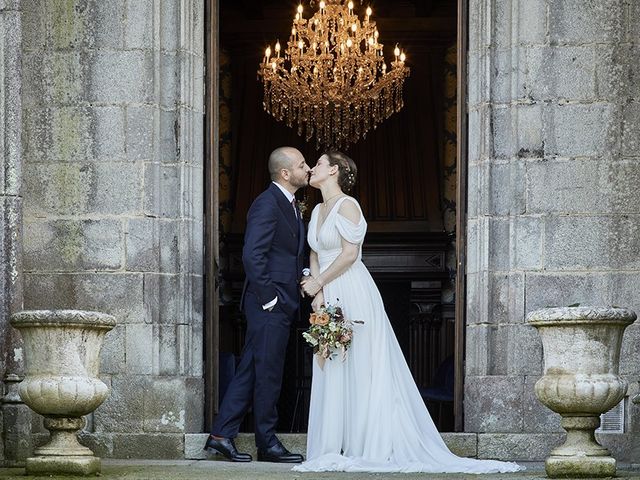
318,301
310,286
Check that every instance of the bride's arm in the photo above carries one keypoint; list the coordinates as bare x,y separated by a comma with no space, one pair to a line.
314,266
341,264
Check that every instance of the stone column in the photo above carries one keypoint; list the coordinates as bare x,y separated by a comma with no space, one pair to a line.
554,122
113,109
15,417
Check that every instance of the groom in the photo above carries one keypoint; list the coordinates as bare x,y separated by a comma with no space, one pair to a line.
272,259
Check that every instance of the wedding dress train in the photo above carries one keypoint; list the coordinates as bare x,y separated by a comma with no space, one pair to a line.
366,413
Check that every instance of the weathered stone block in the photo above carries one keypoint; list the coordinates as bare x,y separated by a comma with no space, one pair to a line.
517,132
163,299
506,184
580,130
121,76
169,147
624,447
591,242
630,345
68,245
170,76
170,345
496,233
152,245
198,27
517,447
622,178
622,288
614,71
194,416
148,445
532,21
524,351
527,243
16,433
139,349
196,365
139,136
162,194
170,26
475,251
480,134
507,74
493,404
80,188
506,298
478,350
112,356
537,417
631,129
192,244
53,77
106,23
561,72
549,290
138,30
33,25
474,192
165,405
59,134
117,294
579,21
567,186
109,133
123,410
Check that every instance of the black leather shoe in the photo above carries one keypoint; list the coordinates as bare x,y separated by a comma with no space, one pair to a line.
278,454
226,447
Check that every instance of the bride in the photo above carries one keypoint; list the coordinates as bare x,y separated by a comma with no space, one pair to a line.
366,414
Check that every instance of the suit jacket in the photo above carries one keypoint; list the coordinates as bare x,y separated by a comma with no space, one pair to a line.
273,250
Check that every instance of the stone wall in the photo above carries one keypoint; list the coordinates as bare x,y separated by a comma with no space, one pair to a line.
554,219
14,416
113,212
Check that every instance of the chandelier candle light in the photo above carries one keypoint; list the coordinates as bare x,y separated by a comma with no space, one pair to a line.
332,79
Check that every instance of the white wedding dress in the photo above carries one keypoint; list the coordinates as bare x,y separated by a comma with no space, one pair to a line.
366,414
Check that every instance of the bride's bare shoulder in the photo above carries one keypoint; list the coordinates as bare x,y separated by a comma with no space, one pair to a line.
350,209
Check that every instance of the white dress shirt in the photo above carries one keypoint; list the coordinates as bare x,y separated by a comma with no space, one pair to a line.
290,197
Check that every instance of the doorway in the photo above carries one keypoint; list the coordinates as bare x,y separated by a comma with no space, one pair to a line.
411,186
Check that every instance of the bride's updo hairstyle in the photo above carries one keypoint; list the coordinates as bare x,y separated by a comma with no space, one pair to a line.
347,170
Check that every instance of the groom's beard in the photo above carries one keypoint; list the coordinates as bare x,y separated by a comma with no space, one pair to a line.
299,183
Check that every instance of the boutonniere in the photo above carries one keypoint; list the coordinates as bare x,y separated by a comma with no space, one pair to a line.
302,206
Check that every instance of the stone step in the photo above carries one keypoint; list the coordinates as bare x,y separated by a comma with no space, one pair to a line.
462,444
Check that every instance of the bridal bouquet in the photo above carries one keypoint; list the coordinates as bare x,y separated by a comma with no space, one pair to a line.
329,332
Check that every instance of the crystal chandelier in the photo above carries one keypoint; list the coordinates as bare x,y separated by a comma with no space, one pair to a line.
332,79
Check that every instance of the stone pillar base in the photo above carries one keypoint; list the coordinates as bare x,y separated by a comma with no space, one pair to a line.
580,467
63,465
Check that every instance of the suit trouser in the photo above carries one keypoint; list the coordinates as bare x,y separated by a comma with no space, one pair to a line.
258,378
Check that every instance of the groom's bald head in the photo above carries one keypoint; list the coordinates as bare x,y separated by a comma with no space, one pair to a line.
280,158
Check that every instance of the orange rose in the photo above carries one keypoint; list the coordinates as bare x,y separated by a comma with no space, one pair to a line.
313,318
322,319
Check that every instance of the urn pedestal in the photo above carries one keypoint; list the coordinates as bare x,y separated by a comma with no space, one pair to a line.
62,358
581,348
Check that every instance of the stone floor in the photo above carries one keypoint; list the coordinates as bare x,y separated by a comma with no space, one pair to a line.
222,470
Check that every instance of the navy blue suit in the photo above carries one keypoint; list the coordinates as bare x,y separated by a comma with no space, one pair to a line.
272,257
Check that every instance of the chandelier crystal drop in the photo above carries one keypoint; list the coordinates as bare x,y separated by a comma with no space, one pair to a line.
332,79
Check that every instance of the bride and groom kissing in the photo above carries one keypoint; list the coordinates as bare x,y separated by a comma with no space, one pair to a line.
366,413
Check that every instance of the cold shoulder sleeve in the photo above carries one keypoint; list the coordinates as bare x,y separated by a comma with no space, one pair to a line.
350,231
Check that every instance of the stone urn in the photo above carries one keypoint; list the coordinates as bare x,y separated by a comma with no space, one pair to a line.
581,347
62,357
